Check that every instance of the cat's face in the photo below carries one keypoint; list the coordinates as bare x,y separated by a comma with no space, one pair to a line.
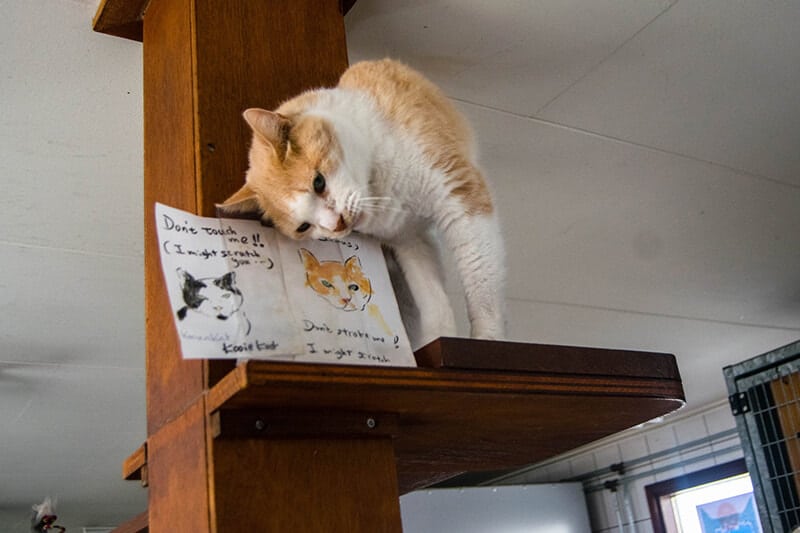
343,285
214,297
298,178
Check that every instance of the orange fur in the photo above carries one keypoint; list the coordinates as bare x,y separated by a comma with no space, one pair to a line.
419,107
289,167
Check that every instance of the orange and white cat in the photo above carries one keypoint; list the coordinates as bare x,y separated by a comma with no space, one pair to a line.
386,154
341,284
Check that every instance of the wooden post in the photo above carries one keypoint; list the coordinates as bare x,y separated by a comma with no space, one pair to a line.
206,61
306,484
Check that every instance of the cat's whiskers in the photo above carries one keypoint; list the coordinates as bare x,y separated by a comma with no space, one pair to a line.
381,198
377,204
381,209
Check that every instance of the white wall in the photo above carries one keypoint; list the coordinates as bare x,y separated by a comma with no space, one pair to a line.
510,509
72,378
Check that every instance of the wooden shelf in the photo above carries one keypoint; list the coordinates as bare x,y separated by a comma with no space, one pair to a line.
476,354
446,421
273,427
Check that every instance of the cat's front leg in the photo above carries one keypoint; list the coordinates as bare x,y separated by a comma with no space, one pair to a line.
418,259
477,247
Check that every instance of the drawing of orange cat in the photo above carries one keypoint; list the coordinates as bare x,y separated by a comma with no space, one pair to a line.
341,284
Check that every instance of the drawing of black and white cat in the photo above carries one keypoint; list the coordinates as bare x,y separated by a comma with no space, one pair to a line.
217,298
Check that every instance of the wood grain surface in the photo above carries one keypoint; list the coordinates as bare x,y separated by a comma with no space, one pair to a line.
454,421
204,63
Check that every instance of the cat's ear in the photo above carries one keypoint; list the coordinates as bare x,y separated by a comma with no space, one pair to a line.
227,281
184,276
242,202
353,264
309,261
271,127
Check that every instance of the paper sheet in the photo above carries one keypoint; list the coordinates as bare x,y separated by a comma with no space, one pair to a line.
242,290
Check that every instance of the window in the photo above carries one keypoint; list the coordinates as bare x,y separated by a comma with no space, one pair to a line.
715,500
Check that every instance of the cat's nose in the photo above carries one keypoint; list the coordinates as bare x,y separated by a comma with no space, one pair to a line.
331,220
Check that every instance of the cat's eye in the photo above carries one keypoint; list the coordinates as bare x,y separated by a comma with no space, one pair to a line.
353,287
319,183
302,228
326,283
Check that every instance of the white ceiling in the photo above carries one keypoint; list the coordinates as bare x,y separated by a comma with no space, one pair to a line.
644,155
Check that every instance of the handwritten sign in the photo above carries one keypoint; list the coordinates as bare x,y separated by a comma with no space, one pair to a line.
242,290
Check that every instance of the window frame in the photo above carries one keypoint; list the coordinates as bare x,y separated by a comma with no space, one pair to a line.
657,491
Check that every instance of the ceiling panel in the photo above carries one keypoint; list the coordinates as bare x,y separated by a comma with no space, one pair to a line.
71,308
713,79
596,222
71,132
66,431
510,54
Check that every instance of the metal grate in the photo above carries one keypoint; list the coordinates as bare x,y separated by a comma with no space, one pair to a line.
774,444
765,398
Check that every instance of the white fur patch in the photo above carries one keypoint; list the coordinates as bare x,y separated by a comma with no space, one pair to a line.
298,204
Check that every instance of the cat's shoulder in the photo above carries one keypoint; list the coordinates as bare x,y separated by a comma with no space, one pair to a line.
384,76
366,73
406,97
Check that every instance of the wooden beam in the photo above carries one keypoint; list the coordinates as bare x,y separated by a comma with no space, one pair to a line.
121,18
124,18
170,177
135,466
